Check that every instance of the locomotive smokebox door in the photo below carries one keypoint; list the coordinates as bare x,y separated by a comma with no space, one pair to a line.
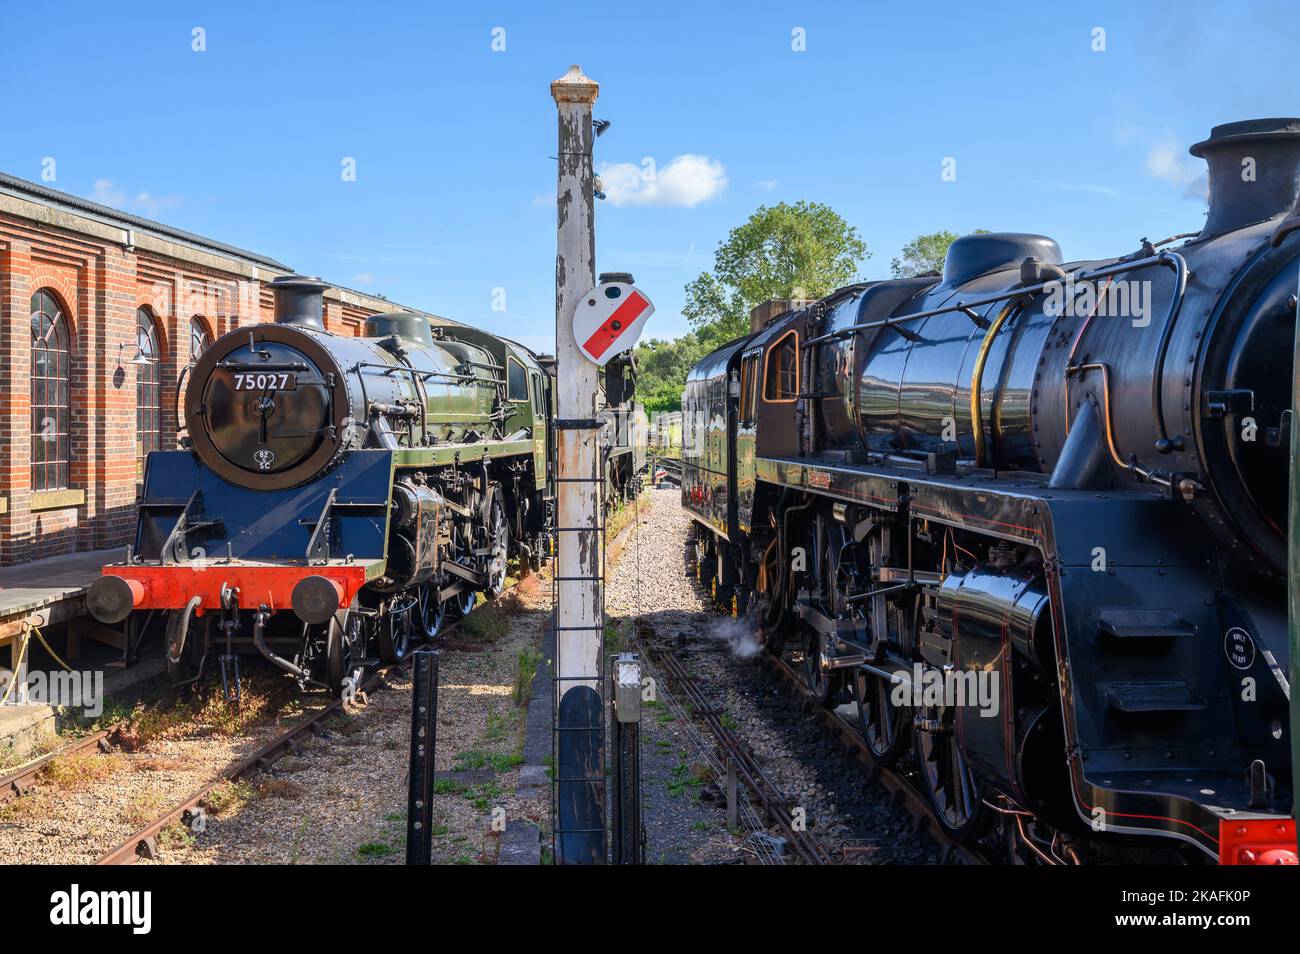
609,318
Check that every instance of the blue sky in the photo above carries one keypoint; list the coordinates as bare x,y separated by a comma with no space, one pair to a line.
453,141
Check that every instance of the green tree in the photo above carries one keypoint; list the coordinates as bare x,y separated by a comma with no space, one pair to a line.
661,368
804,250
925,253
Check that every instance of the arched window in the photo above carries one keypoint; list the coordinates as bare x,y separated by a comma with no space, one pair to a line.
51,372
148,392
199,338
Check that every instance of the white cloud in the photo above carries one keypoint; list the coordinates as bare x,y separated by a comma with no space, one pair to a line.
105,193
153,206
684,182
545,200
767,185
361,278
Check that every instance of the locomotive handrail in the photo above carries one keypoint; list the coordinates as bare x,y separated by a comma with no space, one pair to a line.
1167,259
264,365
1163,443
393,369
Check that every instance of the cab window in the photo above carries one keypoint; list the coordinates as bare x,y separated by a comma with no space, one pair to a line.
781,372
748,388
516,381
539,407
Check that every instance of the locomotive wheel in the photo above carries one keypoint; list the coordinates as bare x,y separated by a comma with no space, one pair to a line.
821,681
396,632
499,541
883,725
182,658
430,611
955,793
771,632
345,649
463,602
817,680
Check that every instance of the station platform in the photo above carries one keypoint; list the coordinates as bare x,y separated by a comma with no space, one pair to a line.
52,592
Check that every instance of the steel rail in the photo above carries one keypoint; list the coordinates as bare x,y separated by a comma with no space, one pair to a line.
806,845
20,781
144,842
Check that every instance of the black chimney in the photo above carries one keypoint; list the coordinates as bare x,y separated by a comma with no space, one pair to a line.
1254,172
299,301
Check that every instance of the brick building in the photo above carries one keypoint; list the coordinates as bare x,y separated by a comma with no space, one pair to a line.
101,313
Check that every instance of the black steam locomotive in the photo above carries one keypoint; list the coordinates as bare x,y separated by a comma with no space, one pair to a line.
1031,516
338,496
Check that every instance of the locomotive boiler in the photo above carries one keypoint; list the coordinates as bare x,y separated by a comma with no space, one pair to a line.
337,495
1064,482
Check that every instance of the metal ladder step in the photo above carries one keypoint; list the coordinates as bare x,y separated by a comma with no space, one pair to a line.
1153,697
1131,623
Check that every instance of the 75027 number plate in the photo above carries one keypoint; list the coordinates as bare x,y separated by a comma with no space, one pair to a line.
265,381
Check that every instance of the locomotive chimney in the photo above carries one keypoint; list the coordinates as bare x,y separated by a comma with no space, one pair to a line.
299,301
1254,172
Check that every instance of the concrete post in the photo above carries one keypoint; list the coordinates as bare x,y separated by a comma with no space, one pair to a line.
580,597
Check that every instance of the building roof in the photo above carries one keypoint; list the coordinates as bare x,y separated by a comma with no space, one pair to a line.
116,218
110,216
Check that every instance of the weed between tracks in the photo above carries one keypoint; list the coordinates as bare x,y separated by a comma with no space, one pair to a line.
622,513
142,808
78,769
226,798
11,759
176,836
529,659
497,761
264,696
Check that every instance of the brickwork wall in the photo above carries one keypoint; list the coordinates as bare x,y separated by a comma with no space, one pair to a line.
99,284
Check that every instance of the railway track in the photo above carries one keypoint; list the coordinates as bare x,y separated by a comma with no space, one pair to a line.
143,844
21,780
902,793
776,807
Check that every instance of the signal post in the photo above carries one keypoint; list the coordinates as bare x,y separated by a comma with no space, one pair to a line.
579,614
